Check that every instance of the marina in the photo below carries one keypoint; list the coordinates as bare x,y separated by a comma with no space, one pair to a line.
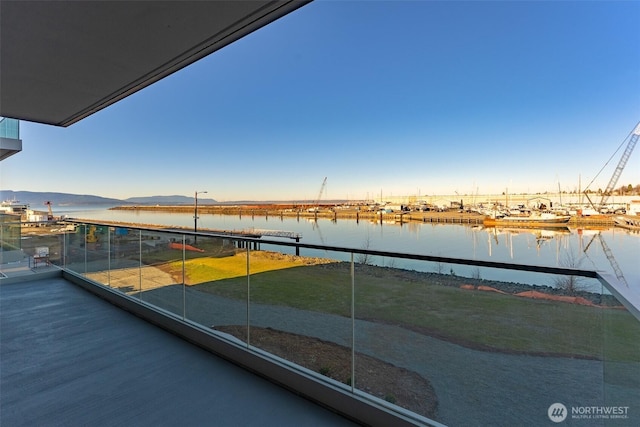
373,214
432,233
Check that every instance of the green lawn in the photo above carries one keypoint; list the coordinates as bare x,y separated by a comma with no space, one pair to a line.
473,318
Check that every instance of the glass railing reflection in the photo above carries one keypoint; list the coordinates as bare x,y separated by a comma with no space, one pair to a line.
211,265
300,310
34,244
75,249
124,261
464,342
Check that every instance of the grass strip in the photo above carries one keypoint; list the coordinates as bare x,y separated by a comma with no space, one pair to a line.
477,319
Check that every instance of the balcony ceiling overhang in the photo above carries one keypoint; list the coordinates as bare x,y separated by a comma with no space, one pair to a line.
61,61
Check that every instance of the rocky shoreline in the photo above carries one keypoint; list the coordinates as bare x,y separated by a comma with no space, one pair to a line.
485,285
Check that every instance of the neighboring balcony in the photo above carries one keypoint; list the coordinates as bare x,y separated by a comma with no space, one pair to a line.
10,142
381,338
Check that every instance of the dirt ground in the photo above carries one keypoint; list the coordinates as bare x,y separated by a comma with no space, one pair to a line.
386,381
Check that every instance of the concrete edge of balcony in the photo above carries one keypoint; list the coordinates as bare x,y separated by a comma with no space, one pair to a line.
358,407
35,274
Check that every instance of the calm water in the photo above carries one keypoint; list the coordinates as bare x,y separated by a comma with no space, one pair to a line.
578,248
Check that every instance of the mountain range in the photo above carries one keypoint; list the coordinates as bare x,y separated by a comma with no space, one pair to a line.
35,199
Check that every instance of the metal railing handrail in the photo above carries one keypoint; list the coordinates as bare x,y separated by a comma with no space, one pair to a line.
629,299
418,257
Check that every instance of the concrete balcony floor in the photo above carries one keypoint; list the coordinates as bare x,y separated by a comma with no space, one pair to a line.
70,358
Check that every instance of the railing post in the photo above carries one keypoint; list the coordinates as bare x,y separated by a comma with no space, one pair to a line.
248,296
140,264
64,250
353,325
109,256
184,281
85,249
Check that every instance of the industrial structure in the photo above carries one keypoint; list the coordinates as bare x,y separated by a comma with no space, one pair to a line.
631,142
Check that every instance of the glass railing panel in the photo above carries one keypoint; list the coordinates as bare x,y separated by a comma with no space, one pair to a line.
448,342
9,128
390,347
74,249
124,259
87,251
300,310
10,233
96,245
215,272
92,246
40,245
621,338
159,271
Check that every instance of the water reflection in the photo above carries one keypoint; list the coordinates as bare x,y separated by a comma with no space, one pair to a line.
524,246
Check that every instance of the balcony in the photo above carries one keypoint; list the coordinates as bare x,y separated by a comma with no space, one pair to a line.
378,338
10,142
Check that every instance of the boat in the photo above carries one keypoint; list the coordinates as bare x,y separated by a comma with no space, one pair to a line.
13,207
628,222
532,220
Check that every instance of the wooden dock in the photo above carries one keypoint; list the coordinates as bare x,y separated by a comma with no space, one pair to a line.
335,214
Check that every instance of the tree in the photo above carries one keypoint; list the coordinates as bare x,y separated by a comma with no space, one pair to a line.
570,284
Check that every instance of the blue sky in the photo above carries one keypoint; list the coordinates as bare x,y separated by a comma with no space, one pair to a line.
381,97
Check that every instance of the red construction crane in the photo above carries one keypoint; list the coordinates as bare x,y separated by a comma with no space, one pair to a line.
50,214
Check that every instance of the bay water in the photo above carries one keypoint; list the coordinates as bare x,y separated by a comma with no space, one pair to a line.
611,250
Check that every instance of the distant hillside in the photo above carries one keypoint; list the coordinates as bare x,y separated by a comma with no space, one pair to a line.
36,199
166,200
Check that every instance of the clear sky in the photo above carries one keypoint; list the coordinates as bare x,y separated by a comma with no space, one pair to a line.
381,97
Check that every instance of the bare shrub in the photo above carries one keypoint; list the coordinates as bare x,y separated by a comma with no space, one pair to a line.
365,258
569,283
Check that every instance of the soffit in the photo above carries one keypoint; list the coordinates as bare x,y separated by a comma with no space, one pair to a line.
61,61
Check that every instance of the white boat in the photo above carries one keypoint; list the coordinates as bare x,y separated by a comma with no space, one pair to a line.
13,207
533,220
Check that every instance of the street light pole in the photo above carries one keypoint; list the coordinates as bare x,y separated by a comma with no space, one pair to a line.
195,214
